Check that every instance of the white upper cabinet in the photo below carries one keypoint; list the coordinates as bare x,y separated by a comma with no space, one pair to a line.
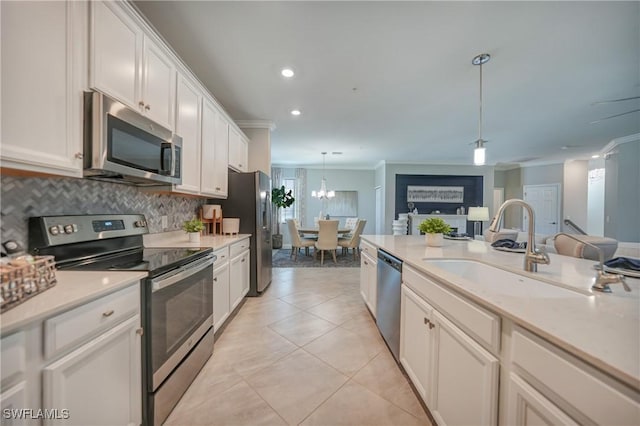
116,52
128,65
188,127
215,143
158,85
44,64
238,151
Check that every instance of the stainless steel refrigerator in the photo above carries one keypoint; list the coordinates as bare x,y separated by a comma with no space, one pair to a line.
250,200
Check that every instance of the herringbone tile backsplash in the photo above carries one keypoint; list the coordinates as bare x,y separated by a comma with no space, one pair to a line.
24,197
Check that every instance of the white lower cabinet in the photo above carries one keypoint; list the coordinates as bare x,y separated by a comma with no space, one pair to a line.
368,281
454,375
415,341
108,368
464,377
238,278
93,377
526,406
221,306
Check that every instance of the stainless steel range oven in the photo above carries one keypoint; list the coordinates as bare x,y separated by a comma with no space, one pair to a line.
177,295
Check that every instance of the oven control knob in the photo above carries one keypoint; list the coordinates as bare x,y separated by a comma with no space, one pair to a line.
68,229
54,230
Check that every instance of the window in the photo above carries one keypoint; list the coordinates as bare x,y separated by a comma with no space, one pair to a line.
289,212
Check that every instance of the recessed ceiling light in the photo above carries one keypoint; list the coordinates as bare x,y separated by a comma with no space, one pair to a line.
295,112
595,156
287,72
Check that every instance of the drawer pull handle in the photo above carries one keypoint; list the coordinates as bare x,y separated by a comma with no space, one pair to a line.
140,331
108,313
426,321
215,279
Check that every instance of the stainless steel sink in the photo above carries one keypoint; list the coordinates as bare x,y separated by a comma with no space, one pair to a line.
504,282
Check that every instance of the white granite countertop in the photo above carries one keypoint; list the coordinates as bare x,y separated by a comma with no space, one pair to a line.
181,239
73,288
603,329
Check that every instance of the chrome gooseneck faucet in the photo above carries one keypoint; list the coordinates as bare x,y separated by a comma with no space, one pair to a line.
603,279
532,256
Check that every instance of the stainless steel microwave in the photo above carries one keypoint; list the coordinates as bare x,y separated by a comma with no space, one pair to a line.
121,145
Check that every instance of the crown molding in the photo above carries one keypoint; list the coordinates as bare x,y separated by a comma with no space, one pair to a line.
619,141
256,124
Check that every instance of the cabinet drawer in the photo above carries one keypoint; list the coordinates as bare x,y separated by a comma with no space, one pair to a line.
589,392
483,325
239,247
73,327
369,248
222,255
13,359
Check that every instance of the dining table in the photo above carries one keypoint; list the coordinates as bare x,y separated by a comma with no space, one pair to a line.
315,230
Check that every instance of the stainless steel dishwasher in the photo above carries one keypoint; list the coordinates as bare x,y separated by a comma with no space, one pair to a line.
388,300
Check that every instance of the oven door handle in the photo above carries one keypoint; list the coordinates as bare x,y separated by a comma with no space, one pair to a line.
184,272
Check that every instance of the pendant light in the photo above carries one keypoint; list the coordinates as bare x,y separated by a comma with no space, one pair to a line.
323,193
479,151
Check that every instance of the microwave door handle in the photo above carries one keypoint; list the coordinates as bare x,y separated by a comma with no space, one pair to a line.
161,283
163,149
173,159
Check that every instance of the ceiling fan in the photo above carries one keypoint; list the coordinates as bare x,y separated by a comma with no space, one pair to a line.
612,101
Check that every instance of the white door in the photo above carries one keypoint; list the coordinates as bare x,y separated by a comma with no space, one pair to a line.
108,368
545,201
379,211
464,376
188,126
415,341
220,295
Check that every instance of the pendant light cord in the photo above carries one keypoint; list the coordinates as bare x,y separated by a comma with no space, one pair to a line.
480,123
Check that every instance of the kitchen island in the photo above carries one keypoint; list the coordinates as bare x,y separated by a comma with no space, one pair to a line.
553,311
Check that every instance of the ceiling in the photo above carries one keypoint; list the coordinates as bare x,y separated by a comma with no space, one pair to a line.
393,81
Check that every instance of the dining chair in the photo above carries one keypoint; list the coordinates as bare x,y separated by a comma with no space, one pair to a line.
296,242
350,224
353,242
327,239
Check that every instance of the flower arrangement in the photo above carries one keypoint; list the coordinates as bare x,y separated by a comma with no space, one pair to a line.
193,225
434,225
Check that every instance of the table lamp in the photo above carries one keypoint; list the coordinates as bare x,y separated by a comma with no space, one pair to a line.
477,215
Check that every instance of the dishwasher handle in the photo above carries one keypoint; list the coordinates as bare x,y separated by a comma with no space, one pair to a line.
390,260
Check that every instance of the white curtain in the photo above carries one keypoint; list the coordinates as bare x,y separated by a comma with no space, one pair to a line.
301,192
276,182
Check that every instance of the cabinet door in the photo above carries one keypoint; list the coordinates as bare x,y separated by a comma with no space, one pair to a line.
221,156
108,369
465,378
372,267
416,341
528,407
14,398
243,154
236,284
43,69
365,261
246,272
237,151
188,127
208,157
220,295
115,53
158,85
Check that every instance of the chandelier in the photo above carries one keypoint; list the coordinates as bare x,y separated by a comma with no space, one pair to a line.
323,193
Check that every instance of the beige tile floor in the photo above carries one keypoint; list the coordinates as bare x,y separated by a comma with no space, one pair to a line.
305,353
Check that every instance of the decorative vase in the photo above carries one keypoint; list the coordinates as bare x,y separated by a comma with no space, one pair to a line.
435,240
194,237
276,241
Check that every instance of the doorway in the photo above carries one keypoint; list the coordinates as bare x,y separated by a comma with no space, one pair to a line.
545,201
